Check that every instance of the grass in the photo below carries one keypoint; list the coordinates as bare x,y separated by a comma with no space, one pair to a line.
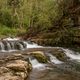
10,32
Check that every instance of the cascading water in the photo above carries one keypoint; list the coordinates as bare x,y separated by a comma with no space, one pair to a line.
36,64
8,46
54,60
2,47
56,69
32,45
19,46
42,71
13,44
72,54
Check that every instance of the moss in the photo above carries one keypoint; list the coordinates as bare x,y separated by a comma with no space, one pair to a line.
59,54
40,57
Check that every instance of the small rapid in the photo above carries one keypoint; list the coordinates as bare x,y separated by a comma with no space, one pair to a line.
15,44
56,69
36,64
32,45
72,55
54,60
56,66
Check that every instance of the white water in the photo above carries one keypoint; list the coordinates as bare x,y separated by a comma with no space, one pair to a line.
27,45
36,64
2,46
11,39
33,45
11,44
8,46
54,60
72,55
20,46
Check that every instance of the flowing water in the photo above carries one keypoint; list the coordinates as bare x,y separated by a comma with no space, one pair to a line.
13,44
55,69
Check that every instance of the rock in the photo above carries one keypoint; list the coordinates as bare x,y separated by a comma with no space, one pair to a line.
38,52
10,78
18,65
15,70
39,55
7,74
59,53
17,55
3,70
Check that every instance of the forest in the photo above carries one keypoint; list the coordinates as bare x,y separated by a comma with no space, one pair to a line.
43,20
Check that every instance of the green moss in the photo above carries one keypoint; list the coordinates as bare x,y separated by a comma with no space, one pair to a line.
59,54
40,57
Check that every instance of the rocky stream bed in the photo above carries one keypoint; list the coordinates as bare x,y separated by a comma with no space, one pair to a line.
39,63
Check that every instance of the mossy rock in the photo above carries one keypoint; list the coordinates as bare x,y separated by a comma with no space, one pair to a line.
40,56
59,54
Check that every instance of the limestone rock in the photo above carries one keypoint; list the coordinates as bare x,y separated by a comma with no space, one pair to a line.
15,70
18,65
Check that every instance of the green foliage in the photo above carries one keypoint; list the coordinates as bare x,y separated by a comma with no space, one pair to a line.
13,32
32,12
40,15
14,3
6,20
29,13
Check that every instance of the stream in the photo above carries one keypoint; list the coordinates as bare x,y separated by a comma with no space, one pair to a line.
55,69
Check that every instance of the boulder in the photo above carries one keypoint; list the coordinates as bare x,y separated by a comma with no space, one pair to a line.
15,70
59,54
40,56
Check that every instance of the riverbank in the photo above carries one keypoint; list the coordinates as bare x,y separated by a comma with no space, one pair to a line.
68,38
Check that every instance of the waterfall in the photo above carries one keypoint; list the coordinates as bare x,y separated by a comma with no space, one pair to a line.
53,59
19,46
72,54
13,44
8,46
32,45
36,64
2,47
25,44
